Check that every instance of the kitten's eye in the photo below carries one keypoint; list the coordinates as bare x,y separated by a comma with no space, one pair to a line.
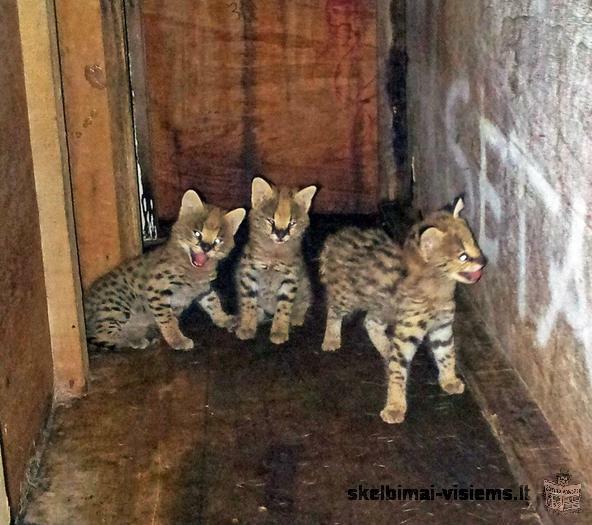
463,257
291,223
217,242
197,234
271,222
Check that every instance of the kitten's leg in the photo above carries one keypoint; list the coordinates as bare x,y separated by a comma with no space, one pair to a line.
377,333
442,345
107,327
210,302
301,303
280,327
332,339
248,291
404,344
159,303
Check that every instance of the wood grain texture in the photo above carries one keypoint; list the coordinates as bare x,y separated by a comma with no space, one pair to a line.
99,128
25,354
284,89
54,199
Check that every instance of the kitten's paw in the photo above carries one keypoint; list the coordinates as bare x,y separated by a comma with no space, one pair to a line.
331,345
393,414
139,344
278,338
245,333
299,321
453,386
228,322
184,344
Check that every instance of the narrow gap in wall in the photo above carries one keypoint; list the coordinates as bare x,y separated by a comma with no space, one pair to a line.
397,215
149,220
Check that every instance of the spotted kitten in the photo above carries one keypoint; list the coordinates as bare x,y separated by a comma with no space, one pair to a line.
151,291
271,275
407,294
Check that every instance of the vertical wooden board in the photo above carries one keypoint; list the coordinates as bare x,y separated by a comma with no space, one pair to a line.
287,89
100,143
4,508
25,355
54,199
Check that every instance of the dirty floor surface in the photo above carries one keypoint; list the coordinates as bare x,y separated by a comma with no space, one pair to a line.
247,432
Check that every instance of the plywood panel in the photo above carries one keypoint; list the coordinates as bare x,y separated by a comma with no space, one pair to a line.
99,127
25,355
287,89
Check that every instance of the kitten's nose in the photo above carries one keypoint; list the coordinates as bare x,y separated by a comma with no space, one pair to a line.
482,260
206,247
280,234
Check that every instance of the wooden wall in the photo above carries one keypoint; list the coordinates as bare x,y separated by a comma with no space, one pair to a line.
282,88
25,354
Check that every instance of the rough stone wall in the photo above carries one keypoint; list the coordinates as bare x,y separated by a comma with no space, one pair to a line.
500,99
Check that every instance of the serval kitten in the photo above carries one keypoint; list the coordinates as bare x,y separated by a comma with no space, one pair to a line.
272,279
123,307
407,293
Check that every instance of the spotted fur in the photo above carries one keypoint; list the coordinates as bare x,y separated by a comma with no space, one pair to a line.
407,293
272,279
123,307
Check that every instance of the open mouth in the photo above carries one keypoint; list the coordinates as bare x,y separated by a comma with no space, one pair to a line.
472,277
198,259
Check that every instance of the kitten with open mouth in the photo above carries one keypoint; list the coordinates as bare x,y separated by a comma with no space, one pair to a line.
152,290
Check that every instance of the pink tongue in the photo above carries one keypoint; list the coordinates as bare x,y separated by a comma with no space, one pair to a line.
199,259
475,276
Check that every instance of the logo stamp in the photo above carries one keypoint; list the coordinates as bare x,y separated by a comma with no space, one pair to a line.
561,495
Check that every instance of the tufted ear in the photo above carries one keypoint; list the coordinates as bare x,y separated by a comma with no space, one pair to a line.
304,197
429,239
458,206
261,191
191,205
234,218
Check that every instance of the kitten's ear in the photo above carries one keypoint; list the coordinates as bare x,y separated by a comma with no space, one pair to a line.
304,197
234,218
261,191
429,239
190,205
458,206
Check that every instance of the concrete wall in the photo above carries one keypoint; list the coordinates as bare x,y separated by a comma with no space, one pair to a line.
26,373
500,98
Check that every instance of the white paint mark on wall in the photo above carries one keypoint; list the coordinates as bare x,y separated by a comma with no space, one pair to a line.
566,273
567,284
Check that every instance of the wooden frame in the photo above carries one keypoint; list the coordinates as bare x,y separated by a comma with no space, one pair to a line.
99,125
54,199
82,141
4,508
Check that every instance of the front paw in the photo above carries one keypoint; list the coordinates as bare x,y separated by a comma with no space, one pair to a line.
228,322
185,344
139,344
330,345
453,386
278,337
246,332
393,414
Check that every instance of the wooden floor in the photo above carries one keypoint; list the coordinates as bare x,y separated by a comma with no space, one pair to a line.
247,432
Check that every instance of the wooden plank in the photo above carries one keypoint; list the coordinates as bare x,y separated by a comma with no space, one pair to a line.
25,351
54,199
4,508
100,133
286,89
